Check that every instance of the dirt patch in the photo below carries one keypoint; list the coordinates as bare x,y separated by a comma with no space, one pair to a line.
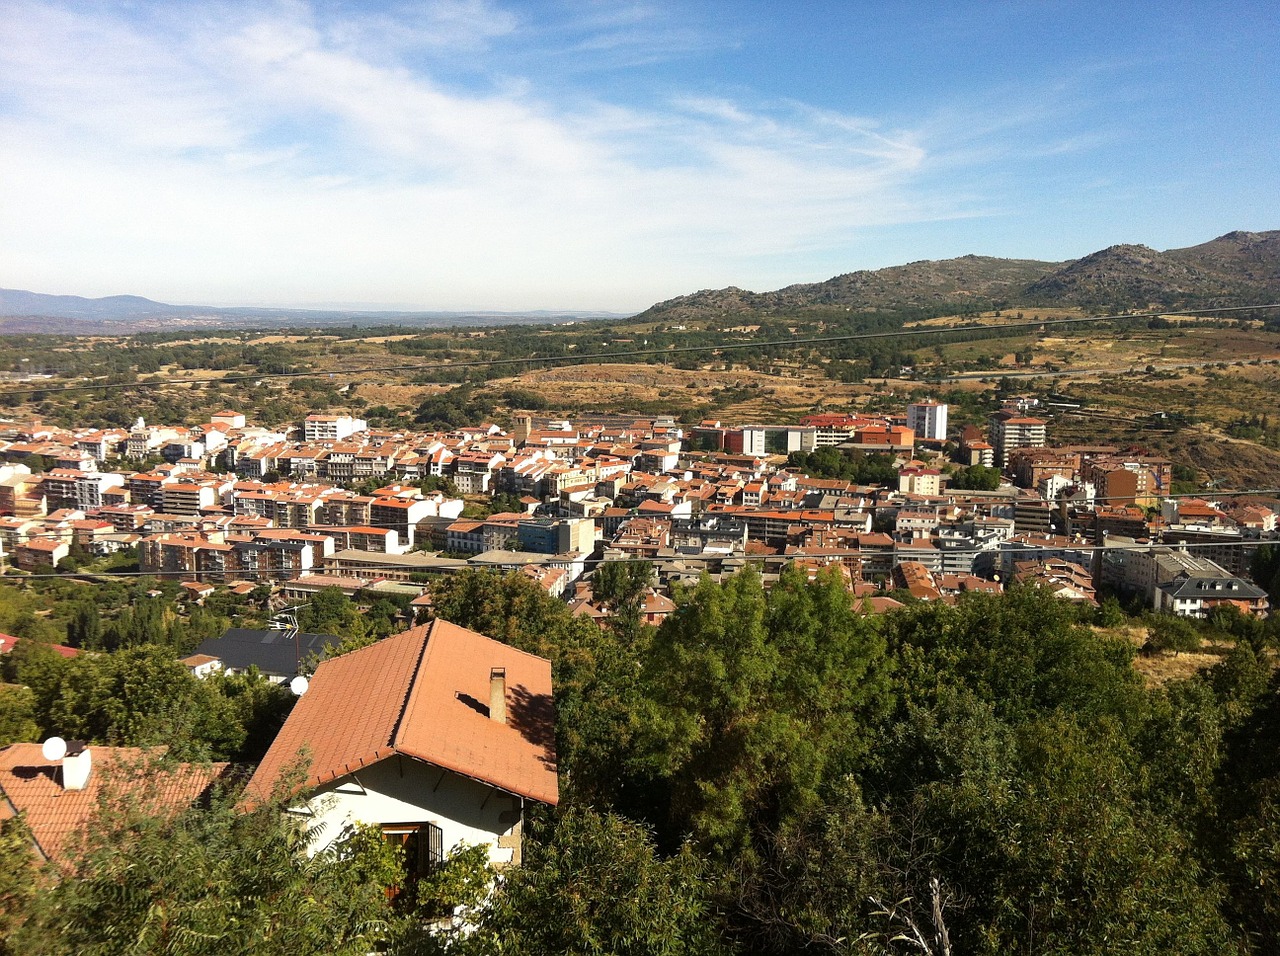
1159,669
395,396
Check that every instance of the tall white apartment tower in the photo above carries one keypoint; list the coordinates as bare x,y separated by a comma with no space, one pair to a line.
928,420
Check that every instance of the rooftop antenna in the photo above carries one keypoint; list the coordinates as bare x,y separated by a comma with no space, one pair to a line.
285,621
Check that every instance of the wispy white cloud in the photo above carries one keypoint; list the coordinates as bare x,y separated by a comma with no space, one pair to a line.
285,152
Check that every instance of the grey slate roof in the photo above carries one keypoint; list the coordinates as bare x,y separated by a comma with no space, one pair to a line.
275,653
1235,589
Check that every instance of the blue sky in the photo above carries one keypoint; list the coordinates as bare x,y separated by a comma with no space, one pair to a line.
473,154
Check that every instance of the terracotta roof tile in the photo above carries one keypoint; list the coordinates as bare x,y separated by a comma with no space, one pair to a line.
54,815
423,693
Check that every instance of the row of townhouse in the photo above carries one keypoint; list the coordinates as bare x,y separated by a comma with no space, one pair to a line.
264,554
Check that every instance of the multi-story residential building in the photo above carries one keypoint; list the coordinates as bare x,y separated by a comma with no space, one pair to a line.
1027,547
101,444
1031,466
1010,429
832,429
190,497
401,515
473,471
373,540
146,488
1190,595
183,447
556,535
59,487
278,552
346,508
975,451
465,536
919,480
319,427
124,518
191,557
37,554
1128,480
22,495
928,420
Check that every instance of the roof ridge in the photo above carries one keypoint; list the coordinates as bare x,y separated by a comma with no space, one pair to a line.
510,647
412,683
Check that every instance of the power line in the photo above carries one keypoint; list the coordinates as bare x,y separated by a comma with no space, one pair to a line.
550,360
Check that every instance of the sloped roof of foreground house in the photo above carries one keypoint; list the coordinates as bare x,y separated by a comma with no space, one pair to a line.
32,785
423,693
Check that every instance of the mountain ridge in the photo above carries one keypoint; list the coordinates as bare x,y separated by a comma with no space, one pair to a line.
1236,266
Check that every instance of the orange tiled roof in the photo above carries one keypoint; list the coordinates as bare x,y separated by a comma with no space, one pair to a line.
54,815
423,693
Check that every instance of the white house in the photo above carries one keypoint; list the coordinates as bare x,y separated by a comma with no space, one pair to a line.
438,735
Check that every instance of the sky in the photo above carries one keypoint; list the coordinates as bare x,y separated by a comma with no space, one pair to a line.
601,155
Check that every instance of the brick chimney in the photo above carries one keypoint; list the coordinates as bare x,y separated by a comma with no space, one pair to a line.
498,694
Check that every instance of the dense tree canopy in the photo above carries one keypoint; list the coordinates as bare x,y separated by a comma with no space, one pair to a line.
768,772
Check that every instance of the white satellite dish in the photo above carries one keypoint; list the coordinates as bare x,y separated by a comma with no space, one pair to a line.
299,685
53,749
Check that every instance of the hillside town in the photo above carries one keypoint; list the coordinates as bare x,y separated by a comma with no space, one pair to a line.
334,503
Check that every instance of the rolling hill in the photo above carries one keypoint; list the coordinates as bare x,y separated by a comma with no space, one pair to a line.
1237,268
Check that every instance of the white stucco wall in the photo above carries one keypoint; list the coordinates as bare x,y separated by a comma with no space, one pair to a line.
403,790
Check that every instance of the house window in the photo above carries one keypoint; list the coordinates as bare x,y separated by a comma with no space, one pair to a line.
423,845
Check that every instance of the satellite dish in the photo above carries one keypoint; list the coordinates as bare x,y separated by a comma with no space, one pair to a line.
299,685
53,749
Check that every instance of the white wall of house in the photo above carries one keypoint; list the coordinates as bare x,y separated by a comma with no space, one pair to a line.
403,790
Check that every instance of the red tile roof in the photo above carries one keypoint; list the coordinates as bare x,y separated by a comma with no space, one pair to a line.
33,786
423,693
8,642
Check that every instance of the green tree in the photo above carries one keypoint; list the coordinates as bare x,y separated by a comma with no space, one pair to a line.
600,886
621,586
17,715
1168,632
140,696
332,612
18,880
1061,858
975,478
84,628
753,701
214,879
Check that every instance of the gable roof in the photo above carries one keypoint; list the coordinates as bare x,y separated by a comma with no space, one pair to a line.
275,653
32,785
423,694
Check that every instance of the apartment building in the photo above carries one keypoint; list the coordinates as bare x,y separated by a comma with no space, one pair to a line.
1010,429
928,420
318,427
